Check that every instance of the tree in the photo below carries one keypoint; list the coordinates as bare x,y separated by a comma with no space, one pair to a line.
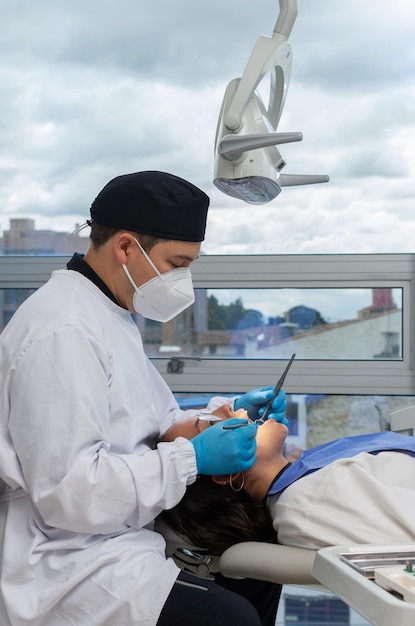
231,316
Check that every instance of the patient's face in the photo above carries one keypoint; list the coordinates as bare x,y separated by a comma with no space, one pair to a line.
192,426
187,428
270,440
270,437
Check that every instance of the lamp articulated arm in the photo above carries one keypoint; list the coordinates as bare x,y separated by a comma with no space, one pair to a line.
247,161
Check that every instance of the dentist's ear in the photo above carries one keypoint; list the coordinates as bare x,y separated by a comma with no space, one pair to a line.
124,245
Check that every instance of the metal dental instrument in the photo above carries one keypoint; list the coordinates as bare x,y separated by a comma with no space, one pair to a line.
277,388
209,417
206,416
233,426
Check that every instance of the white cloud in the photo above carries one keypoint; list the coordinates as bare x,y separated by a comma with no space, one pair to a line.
94,89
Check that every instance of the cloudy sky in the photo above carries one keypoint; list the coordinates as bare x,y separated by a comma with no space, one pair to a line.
95,88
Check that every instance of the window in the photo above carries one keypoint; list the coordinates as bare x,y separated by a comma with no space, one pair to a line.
210,361
337,323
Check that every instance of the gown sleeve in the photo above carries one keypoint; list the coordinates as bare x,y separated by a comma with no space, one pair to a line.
62,424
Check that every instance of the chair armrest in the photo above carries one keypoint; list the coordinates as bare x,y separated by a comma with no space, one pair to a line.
274,563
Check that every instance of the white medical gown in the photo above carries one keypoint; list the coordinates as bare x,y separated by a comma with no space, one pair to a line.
369,498
81,406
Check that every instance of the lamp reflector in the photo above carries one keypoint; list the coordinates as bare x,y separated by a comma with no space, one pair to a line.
250,189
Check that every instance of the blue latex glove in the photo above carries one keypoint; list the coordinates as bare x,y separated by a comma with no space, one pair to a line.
221,450
254,403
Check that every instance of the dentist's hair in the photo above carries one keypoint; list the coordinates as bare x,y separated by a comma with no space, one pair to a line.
99,235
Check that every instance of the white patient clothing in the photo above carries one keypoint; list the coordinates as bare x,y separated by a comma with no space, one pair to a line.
81,407
369,498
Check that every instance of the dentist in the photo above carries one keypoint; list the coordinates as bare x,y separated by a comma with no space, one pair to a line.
81,404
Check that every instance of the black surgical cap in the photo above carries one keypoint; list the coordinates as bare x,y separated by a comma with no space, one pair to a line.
153,203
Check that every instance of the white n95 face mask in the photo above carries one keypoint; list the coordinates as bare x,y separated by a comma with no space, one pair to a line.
164,296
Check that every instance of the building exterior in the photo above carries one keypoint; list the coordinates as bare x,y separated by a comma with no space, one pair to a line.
23,238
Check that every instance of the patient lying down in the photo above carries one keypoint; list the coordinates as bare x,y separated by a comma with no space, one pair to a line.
351,491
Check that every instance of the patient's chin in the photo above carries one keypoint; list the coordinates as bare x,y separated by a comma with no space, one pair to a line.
283,427
275,425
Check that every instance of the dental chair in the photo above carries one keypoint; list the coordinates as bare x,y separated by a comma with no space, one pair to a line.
325,570
252,559
274,563
265,561
401,421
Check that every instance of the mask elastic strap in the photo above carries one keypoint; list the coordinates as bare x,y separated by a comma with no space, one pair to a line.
148,259
130,278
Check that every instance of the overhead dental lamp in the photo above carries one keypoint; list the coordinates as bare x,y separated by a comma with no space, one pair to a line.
248,163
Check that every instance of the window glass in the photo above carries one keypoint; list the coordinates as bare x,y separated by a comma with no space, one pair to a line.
23,238
317,418
10,300
303,606
339,324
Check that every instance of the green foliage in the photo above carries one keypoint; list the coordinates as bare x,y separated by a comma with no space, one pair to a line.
231,316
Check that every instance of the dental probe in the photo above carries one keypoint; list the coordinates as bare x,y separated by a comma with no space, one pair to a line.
269,403
233,426
276,390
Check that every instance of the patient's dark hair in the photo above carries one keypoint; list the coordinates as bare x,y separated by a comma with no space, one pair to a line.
213,517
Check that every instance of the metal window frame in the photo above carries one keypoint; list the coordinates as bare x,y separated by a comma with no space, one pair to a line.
277,271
